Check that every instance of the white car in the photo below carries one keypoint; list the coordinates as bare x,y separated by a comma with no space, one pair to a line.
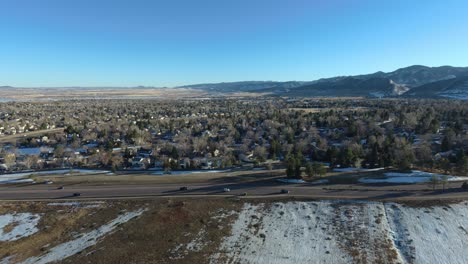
226,190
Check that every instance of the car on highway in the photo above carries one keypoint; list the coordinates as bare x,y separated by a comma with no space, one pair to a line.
76,194
183,188
464,186
226,190
48,182
284,191
60,188
243,194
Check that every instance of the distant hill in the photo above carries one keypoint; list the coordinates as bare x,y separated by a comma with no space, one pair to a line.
412,81
415,81
351,86
456,88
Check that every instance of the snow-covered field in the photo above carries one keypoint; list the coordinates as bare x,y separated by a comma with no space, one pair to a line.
430,235
19,225
346,232
412,177
83,241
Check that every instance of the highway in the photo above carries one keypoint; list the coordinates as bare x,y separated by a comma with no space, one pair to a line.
255,189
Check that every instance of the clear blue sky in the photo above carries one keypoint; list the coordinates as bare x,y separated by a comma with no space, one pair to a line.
176,42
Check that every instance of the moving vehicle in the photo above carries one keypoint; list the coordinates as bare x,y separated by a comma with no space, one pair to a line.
76,194
183,188
284,191
226,190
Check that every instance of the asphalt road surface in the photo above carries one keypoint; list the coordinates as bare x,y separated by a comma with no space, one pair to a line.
263,189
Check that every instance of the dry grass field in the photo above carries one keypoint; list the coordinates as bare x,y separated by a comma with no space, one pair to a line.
238,231
168,231
40,94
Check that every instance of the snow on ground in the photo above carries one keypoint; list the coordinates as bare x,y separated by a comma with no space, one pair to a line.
321,181
195,245
23,176
461,93
377,94
291,180
14,181
346,232
356,169
431,235
199,242
414,176
6,260
18,225
456,96
94,204
84,241
282,233
33,151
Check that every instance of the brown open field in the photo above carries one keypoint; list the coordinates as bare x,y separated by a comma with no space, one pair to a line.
151,238
39,94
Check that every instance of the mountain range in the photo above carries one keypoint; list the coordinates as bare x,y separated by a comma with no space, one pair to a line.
416,81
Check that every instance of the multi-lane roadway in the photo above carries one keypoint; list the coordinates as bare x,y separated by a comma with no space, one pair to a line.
255,189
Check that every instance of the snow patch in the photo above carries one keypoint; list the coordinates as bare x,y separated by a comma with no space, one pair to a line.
414,176
15,181
24,225
199,242
291,180
377,94
86,240
79,204
22,177
356,169
321,181
6,260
